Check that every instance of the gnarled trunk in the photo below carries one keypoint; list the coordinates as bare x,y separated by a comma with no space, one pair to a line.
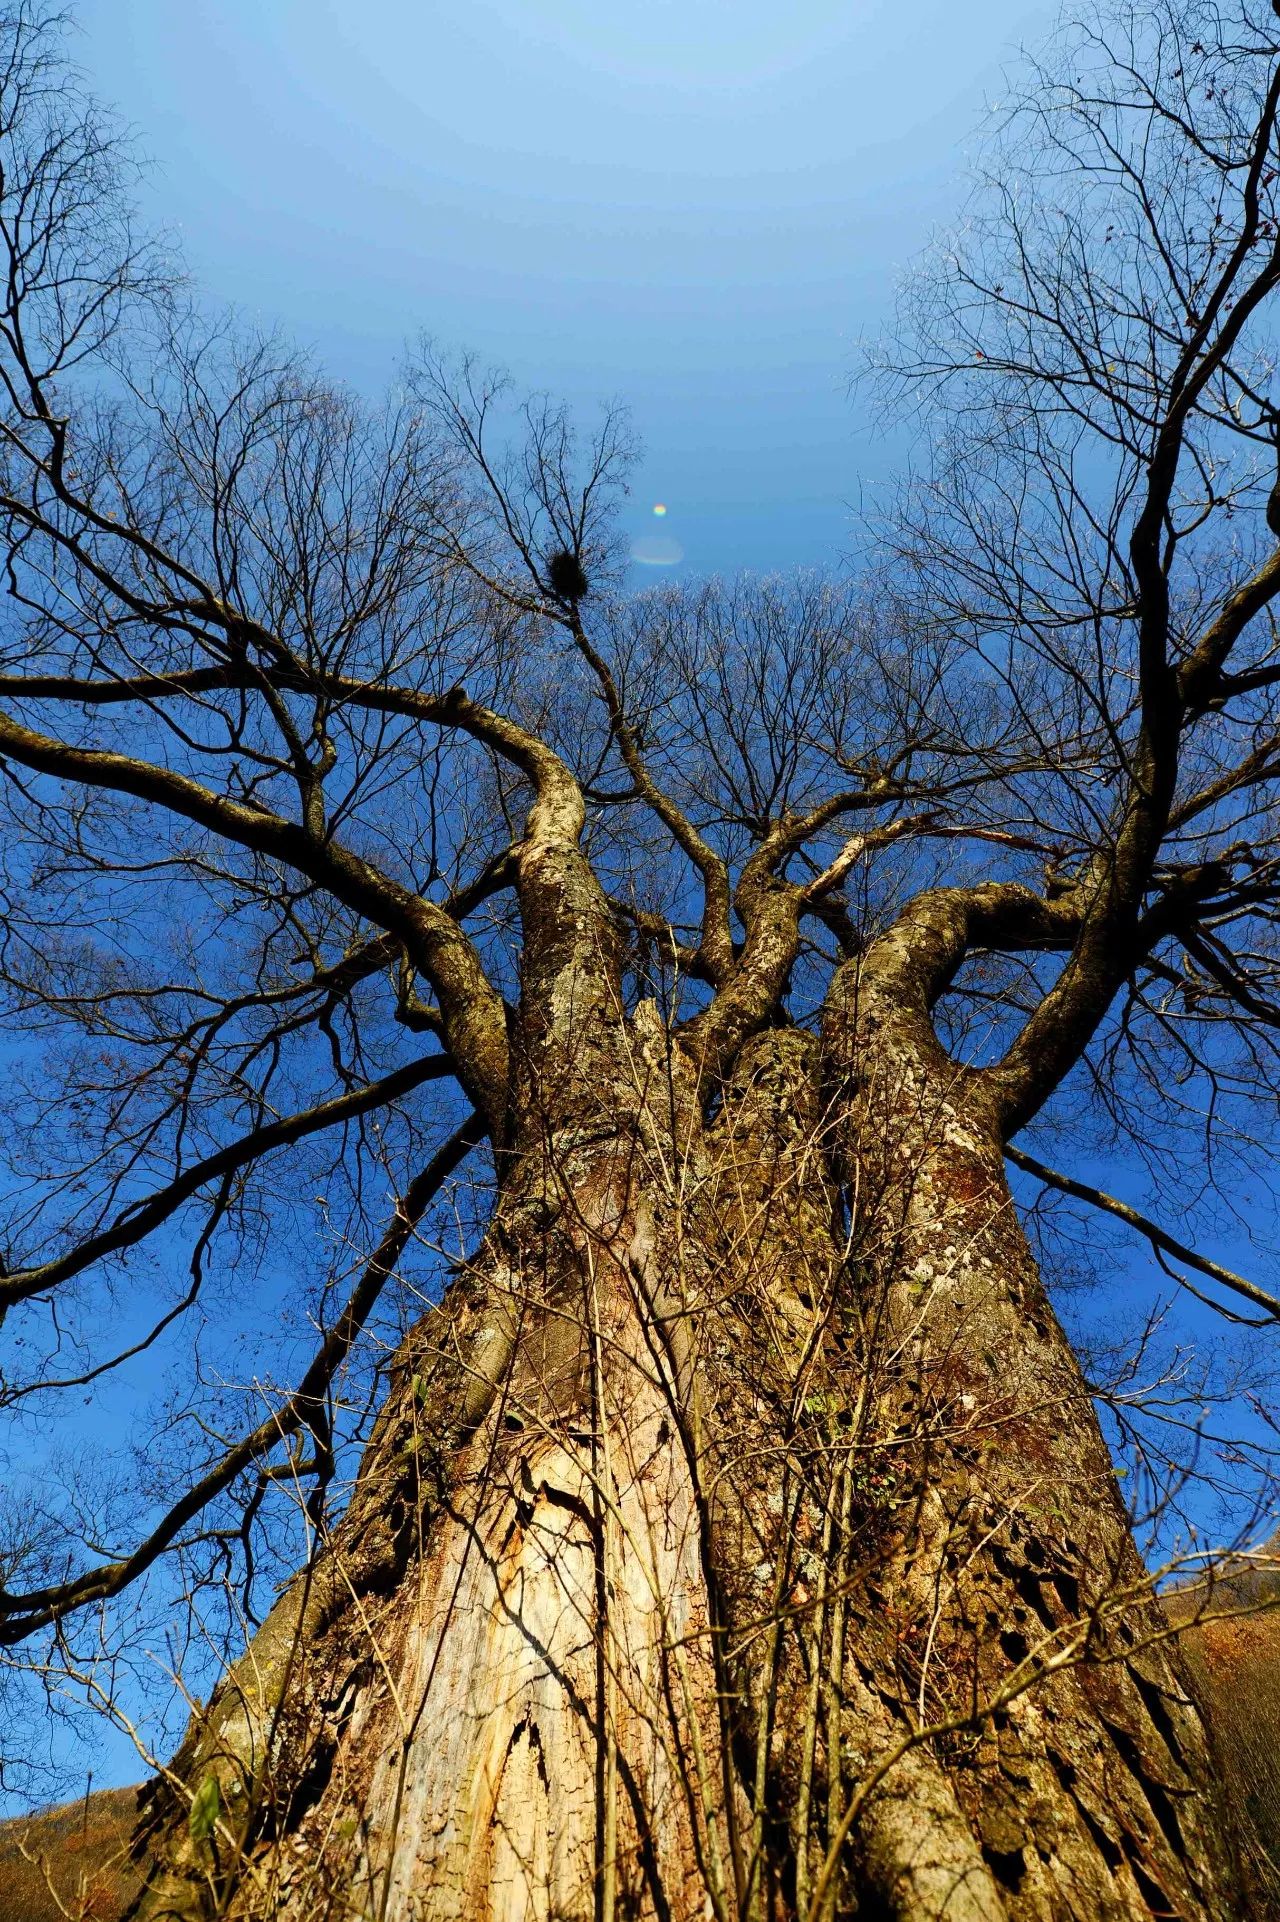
737,1540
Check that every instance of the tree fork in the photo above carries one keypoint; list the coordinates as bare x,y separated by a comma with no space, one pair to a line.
693,1507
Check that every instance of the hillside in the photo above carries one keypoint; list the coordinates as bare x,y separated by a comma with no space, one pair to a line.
1237,1665
69,1862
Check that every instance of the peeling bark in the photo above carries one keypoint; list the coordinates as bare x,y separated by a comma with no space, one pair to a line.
738,1539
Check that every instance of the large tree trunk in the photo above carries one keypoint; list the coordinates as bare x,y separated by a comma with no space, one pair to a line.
737,1540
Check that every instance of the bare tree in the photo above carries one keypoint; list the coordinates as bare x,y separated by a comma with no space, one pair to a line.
730,1528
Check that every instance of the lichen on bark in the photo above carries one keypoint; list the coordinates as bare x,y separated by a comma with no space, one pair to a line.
737,1539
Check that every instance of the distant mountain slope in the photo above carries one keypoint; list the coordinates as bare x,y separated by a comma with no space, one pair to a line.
1236,1663
76,1855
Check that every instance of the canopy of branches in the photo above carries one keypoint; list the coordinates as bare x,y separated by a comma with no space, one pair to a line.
289,680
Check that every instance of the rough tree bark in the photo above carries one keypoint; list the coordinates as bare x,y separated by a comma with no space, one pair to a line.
737,1538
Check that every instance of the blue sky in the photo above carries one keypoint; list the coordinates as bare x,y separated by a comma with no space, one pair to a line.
693,206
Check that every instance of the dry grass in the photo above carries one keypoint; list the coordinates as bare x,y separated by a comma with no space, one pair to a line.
75,1862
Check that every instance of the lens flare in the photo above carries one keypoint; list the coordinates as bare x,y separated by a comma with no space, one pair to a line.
654,550
659,508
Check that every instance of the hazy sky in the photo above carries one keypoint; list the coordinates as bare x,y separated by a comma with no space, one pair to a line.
694,206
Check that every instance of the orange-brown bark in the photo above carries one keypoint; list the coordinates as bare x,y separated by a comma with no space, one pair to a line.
738,1539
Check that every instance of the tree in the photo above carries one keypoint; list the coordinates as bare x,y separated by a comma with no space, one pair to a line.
734,1531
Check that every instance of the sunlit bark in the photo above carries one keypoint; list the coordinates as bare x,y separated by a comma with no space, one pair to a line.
723,1549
